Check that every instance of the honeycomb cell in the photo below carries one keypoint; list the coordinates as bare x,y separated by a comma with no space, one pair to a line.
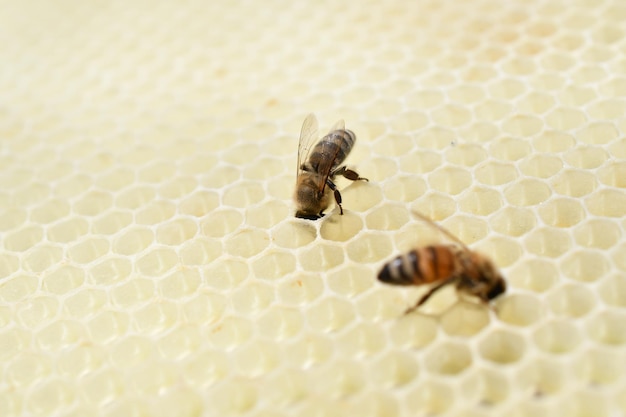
109,223
252,297
350,280
513,221
520,126
487,387
535,102
267,215
150,319
613,290
557,337
430,398
133,292
586,157
561,212
481,201
369,248
450,180
321,257
436,206
361,196
85,302
448,359
11,218
18,288
613,175
394,369
574,183
330,314
49,397
133,240
541,166
63,280
28,368
109,271
420,163
464,319
502,347
179,284
341,228
492,110
451,115
60,335
598,133
520,310
24,239
157,262
107,326
176,232
607,328
93,203
414,331
545,377
548,242
42,257
600,366
362,340
199,203
243,194
571,301
155,212
495,173
102,387
585,266
404,188
608,203
50,211
309,350
220,223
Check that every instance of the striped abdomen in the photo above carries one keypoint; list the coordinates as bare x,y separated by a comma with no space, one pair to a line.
331,151
421,266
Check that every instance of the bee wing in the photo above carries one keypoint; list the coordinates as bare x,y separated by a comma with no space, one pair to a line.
327,163
442,229
308,135
339,125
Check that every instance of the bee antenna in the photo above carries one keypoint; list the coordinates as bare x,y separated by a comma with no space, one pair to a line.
440,228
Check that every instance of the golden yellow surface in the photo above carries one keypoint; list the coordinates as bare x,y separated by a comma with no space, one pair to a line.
150,263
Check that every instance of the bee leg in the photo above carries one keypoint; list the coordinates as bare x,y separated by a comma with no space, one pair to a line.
349,174
336,193
430,293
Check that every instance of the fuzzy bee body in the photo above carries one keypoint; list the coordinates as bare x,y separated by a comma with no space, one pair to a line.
441,265
318,165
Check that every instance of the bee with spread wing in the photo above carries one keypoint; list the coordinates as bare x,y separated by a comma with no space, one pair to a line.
318,165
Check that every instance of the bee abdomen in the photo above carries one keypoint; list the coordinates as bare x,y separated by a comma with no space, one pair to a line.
338,143
419,266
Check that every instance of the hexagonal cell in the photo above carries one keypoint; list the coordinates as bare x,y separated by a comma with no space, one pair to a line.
513,221
561,212
612,290
481,201
608,328
341,228
487,387
573,300
534,274
545,377
548,242
448,359
599,366
362,340
585,266
394,369
597,233
430,398
558,337
520,310
252,297
330,314
528,192
465,319
502,347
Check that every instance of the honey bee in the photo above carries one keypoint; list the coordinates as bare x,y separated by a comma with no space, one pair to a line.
442,265
318,165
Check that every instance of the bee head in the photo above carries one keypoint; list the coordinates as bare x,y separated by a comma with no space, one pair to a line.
498,288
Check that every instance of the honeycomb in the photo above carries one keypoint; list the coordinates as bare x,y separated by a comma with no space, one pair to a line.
150,263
